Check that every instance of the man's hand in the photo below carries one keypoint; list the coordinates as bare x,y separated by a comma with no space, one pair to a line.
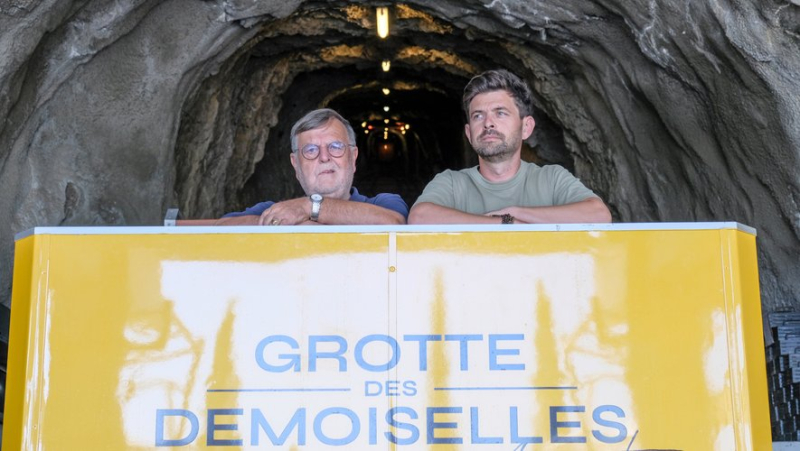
288,212
513,211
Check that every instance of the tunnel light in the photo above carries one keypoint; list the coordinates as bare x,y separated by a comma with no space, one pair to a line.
386,121
408,126
366,132
386,91
386,65
386,109
364,124
382,15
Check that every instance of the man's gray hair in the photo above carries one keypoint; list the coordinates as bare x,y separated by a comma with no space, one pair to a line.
317,119
496,80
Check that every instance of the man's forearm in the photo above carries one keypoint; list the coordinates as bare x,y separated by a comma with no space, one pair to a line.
332,212
430,213
238,220
346,212
591,210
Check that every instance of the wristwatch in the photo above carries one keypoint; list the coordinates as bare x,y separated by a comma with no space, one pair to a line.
316,202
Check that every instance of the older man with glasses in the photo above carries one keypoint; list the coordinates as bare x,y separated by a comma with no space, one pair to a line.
324,159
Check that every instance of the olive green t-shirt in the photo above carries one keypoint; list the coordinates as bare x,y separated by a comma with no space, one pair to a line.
532,186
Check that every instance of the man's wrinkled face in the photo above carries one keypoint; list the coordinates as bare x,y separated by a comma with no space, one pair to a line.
495,129
327,175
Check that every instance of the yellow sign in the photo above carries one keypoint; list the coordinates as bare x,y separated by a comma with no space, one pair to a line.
562,338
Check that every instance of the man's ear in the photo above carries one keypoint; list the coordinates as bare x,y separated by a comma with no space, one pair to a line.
355,156
467,132
528,124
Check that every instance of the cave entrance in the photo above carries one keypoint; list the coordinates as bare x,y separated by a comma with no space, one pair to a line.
233,146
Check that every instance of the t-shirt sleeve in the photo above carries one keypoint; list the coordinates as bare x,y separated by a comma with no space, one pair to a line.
439,191
567,188
391,202
255,210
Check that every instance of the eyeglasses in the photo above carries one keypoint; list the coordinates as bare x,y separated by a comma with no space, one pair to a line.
335,149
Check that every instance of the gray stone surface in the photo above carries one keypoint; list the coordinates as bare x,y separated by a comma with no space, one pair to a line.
671,110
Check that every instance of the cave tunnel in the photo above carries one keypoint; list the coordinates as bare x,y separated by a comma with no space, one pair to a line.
408,118
115,111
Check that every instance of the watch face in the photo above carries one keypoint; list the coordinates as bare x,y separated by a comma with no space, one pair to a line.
316,197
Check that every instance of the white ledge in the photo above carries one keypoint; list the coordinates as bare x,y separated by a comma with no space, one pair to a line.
204,230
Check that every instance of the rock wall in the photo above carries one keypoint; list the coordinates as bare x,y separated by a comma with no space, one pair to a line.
671,110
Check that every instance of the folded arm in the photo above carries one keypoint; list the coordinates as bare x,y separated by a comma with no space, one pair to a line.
332,211
430,213
591,210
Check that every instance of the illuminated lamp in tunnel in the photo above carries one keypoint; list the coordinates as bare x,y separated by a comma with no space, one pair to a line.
382,15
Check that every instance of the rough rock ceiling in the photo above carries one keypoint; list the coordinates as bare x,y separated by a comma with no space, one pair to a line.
671,110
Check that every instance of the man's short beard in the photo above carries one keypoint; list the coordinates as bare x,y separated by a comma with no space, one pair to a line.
498,151
495,153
